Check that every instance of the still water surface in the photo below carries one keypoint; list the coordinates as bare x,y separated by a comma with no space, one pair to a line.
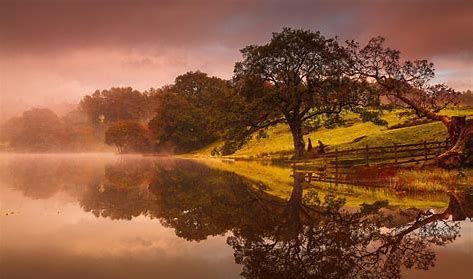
107,216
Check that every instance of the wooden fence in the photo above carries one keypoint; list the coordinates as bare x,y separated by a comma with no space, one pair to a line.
341,166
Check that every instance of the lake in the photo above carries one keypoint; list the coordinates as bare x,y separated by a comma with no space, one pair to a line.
109,216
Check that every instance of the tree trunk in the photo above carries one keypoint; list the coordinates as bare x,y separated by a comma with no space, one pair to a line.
460,131
297,137
455,127
461,206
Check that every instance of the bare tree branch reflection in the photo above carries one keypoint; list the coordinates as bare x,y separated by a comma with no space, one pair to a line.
321,239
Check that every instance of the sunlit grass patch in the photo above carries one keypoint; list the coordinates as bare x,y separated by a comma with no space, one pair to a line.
278,143
432,180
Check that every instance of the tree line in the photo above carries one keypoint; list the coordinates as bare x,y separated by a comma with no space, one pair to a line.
298,78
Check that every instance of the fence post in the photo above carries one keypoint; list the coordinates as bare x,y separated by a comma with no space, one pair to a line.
395,153
293,168
367,156
425,150
336,166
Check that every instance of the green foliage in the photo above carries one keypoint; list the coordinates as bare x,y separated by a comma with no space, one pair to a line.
296,77
118,103
279,141
334,121
192,111
311,125
231,146
372,116
128,136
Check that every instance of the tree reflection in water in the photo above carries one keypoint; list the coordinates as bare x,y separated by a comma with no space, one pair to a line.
320,239
303,237
123,192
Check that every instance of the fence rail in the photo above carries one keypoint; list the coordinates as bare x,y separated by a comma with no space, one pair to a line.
340,166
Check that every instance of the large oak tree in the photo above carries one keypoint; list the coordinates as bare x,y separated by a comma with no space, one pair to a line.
297,76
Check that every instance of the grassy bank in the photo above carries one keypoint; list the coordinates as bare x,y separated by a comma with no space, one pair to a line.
409,188
278,144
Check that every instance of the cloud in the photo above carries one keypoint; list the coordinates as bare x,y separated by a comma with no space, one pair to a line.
70,47
425,26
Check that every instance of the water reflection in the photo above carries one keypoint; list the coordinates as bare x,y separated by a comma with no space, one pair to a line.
320,239
302,237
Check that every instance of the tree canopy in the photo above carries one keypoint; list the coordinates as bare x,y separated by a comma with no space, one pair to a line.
297,76
408,84
191,111
41,130
118,103
128,136
36,130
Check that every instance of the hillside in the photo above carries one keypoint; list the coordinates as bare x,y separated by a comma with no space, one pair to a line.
278,143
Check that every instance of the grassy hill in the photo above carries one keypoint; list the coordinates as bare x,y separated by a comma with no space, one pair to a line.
424,190
278,144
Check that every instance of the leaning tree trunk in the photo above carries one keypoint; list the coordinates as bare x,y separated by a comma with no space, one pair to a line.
297,137
460,131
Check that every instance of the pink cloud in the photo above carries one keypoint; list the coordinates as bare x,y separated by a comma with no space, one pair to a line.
55,50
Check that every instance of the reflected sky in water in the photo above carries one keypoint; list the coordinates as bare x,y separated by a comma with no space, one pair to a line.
105,216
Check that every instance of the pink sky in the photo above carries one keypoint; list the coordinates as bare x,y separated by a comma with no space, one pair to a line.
55,51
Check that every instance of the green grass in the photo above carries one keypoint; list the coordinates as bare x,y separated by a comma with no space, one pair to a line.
433,180
279,141
422,189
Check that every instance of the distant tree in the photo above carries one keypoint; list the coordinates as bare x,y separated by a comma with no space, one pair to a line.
79,133
466,98
407,83
128,136
298,76
116,104
11,130
191,111
36,130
